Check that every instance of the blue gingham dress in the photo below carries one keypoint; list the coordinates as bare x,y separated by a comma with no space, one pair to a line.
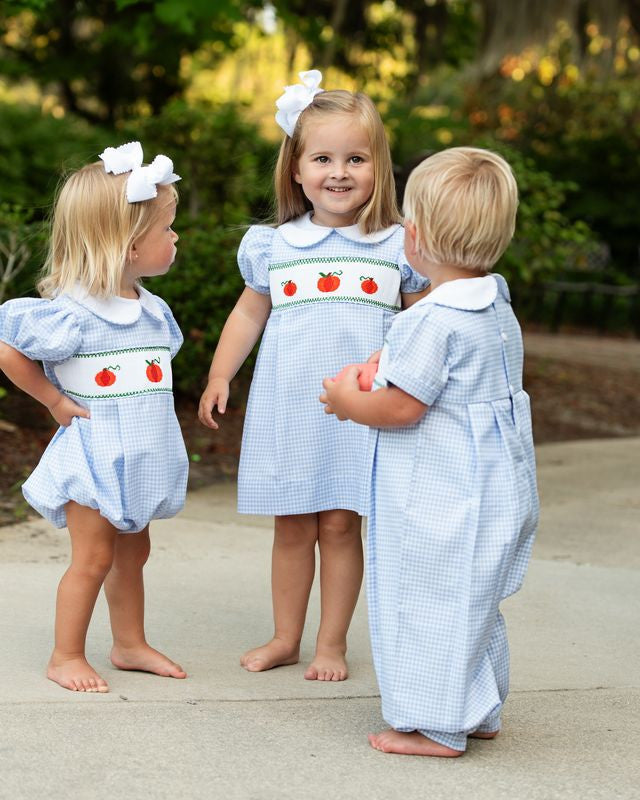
128,461
296,459
454,512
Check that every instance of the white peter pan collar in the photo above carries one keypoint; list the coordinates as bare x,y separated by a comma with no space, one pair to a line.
302,232
119,310
468,294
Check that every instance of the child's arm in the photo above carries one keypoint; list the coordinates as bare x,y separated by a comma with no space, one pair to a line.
29,377
409,298
385,408
240,333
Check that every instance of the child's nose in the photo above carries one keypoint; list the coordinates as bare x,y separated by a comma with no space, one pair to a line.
175,236
339,170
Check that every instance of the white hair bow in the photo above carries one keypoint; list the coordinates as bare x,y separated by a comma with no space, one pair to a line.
296,98
143,181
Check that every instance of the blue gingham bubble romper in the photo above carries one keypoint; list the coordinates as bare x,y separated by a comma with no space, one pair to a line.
296,459
454,512
128,461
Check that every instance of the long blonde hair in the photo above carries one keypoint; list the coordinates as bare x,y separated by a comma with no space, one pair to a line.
463,202
93,227
381,210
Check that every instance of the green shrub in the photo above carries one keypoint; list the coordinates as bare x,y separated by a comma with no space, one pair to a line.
201,288
35,149
225,165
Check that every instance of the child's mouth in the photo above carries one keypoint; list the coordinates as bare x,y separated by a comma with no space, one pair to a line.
339,189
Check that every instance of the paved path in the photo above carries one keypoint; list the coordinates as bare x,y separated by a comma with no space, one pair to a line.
591,351
571,724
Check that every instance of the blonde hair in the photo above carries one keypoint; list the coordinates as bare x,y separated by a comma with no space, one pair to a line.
463,202
92,230
381,210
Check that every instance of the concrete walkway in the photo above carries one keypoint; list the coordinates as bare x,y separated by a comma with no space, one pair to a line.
589,351
571,724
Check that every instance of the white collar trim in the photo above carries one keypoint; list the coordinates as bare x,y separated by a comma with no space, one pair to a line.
467,294
119,310
302,232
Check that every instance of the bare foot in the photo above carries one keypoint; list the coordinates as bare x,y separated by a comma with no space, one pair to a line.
486,735
410,744
276,653
329,664
145,659
75,674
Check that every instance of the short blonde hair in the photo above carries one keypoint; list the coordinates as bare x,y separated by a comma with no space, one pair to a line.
463,202
381,210
93,227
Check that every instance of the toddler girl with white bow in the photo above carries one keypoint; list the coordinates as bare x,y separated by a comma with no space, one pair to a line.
118,460
323,286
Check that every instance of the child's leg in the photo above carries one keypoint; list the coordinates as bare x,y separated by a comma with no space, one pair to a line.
124,588
92,545
292,570
340,544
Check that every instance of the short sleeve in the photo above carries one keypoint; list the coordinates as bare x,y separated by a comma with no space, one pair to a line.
418,346
253,257
175,334
42,330
410,280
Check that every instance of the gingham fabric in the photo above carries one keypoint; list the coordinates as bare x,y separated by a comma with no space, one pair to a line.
128,460
296,459
454,512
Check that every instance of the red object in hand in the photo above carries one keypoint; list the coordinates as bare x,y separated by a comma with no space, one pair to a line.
154,373
366,376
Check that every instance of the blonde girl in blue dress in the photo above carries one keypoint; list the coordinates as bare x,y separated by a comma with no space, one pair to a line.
106,344
321,288
454,501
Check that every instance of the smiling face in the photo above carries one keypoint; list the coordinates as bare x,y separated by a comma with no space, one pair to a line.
335,170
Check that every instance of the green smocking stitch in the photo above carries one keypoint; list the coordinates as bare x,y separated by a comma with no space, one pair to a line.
337,299
120,394
117,352
334,260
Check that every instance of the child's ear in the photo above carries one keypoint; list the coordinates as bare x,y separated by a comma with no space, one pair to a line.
411,234
295,171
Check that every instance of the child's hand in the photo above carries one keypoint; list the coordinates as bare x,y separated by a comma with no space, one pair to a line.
64,409
374,358
335,392
216,394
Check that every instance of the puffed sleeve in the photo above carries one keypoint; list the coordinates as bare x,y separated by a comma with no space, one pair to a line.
175,334
253,257
410,280
42,330
418,345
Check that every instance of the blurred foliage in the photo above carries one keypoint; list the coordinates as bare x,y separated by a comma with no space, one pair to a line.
35,148
22,244
586,133
545,243
201,289
225,165
111,59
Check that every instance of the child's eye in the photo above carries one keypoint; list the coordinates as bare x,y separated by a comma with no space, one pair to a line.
323,159
357,160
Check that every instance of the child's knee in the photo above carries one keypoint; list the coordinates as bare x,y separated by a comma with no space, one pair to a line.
339,527
94,567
